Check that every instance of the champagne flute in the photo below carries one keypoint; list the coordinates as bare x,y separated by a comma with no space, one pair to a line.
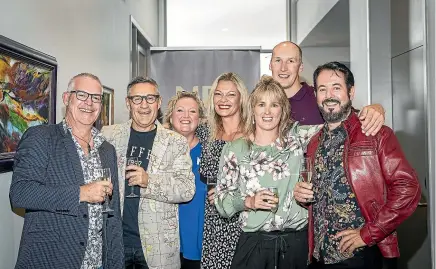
132,161
211,184
275,192
306,170
104,174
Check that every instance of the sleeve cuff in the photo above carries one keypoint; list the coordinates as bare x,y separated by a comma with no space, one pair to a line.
365,234
239,204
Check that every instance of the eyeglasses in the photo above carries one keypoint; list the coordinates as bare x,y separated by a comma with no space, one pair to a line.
149,98
83,96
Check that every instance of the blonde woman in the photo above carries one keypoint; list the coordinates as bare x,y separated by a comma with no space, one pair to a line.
185,111
268,156
227,115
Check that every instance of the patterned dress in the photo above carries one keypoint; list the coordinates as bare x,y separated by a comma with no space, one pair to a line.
220,235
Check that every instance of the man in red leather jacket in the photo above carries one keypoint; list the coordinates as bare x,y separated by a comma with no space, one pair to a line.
363,187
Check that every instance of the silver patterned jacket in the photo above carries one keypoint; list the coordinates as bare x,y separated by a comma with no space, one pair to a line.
171,181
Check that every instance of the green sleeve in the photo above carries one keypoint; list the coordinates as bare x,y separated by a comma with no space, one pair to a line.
228,198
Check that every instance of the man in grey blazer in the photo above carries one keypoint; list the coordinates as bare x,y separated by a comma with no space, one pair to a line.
160,178
54,180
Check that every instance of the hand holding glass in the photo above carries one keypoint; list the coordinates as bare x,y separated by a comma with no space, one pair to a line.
104,174
132,161
306,169
275,192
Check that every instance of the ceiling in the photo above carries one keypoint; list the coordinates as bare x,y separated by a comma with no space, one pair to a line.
226,23
333,30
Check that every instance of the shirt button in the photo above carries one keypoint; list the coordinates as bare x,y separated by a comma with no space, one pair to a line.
82,243
85,216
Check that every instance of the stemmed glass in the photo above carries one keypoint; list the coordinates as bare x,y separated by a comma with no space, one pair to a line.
211,184
132,161
306,170
104,175
275,192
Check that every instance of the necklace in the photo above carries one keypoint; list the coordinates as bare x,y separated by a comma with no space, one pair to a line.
232,135
87,142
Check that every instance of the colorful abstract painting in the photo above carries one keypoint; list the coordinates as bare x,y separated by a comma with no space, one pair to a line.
26,95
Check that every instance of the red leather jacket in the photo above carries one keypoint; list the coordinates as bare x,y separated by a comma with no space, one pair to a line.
386,186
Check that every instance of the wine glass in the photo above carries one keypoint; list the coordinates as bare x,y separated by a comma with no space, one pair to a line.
104,174
211,184
306,170
132,161
275,192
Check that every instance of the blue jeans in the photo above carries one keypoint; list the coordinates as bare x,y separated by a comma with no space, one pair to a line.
134,258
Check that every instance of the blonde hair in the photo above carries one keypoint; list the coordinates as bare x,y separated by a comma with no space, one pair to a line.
172,105
267,86
214,120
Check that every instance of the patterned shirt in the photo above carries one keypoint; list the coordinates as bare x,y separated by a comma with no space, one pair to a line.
335,208
94,249
246,170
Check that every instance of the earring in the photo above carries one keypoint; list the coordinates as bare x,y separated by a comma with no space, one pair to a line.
253,121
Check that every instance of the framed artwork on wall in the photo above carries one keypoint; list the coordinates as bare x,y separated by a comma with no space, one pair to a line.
27,94
107,109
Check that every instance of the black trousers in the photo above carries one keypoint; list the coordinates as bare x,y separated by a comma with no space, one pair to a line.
268,250
134,258
189,264
368,258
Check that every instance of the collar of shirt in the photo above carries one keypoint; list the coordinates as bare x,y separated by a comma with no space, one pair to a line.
340,130
97,137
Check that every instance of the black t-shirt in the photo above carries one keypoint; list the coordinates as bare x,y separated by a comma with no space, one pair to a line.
140,145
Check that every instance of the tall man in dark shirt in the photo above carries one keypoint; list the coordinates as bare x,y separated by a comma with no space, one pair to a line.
286,65
364,187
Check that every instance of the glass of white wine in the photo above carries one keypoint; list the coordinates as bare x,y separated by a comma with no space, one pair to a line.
275,192
104,174
306,170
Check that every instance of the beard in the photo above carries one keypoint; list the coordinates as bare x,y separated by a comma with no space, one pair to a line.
335,117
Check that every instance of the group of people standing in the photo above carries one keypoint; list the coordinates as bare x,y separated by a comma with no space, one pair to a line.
217,187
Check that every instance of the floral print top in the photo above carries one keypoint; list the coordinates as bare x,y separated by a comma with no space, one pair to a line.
245,170
336,208
90,162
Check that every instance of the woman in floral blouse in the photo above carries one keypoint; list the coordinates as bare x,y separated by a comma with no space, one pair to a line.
268,156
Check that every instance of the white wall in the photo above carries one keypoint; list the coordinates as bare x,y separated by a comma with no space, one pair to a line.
431,79
309,14
84,36
410,97
314,56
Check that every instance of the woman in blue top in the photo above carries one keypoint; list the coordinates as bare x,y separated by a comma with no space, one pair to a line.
184,112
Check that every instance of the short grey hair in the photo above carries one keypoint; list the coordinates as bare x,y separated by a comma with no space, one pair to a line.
139,79
71,83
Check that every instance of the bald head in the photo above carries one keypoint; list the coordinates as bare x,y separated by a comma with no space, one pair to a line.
286,65
288,46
